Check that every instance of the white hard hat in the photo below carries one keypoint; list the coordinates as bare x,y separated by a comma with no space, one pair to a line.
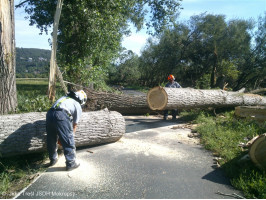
81,95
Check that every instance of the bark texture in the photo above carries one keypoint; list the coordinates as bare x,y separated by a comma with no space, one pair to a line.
124,104
160,98
53,65
26,133
8,94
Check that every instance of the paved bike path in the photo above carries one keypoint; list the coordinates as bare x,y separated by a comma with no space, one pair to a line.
154,159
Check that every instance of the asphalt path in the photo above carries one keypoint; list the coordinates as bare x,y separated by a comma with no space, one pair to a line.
154,159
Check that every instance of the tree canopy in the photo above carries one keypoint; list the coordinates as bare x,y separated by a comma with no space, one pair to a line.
204,52
207,52
90,31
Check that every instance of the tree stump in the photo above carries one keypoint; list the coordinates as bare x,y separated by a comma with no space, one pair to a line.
26,133
162,98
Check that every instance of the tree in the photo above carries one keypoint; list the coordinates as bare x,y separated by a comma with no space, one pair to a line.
204,52
90,32
253,71
126,71
8,94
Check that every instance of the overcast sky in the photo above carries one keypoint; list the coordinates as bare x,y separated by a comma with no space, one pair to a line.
28,36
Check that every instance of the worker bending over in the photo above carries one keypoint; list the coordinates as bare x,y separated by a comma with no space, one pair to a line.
61,122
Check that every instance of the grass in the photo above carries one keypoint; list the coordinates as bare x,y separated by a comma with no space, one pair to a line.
32,95
222,134
18,171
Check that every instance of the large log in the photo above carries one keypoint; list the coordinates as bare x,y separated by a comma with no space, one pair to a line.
122,103
161,98
26,133
254,112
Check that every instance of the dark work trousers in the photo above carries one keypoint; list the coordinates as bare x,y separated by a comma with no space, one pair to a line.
174,112
59,124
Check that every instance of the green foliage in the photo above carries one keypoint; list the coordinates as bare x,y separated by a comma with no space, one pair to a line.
203,82
90,32
126,72
32,63
32,96
222,134
252,71
204,52
251,182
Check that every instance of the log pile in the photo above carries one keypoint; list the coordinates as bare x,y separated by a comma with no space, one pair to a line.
161,98
26,133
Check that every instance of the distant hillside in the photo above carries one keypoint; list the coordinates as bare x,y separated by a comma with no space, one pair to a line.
32,63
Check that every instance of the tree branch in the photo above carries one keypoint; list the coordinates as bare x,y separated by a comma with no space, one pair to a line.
21,3
258,91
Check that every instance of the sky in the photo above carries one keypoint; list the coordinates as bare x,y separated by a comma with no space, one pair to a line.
29,37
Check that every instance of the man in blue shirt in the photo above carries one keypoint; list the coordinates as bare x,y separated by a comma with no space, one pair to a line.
61,122
171,84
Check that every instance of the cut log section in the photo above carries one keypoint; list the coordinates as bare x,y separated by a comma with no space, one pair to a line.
257,151
26,133
255,112
161,98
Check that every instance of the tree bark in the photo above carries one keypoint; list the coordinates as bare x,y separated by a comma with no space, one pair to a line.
160,98
53,65
26,133
254,112
124,104
8,93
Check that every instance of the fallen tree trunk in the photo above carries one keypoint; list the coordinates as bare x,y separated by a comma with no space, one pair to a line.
160,98
124,104
26,133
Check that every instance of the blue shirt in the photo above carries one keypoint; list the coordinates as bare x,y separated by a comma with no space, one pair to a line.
173,85
71,106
